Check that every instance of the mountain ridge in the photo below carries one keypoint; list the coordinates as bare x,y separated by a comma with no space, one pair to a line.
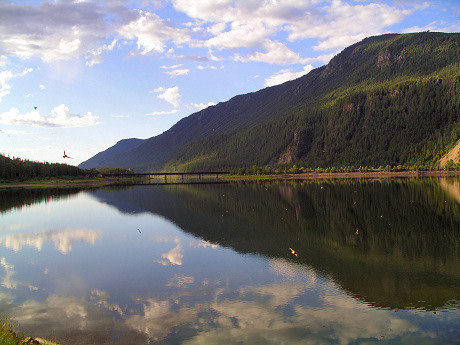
334,115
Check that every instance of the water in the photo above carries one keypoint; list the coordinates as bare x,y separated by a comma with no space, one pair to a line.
374,262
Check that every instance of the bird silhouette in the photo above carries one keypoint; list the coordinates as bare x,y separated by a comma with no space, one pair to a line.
65,156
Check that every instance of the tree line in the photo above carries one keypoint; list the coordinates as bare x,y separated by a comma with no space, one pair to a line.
17,169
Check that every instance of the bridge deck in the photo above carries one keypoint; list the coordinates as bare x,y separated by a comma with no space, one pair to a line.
152,177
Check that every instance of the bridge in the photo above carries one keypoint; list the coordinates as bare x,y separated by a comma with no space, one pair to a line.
171,177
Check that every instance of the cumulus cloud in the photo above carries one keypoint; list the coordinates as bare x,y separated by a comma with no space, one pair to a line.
150,32
61,30
51,31
60,117
96,54
232,24
170,95
6,76
285,75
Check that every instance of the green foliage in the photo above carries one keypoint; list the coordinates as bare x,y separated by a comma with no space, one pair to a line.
115,171
7,334
16,169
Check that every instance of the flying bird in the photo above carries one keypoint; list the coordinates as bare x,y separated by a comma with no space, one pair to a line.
35,108
293,251
65,156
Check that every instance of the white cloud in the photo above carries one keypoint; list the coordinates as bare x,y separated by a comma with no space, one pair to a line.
285,75
200,106
177,72
6,76
207,67
233,24
276,53
51,31
41,86
172,67
96,54
4,61
164,112
338,24
60,117
150,32
170,95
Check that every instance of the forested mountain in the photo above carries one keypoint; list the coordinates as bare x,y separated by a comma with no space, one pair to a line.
119,148
387,100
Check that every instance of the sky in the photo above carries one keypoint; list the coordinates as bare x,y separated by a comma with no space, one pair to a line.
80,75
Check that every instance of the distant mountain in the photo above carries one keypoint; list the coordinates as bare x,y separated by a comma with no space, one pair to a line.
391,99
120,147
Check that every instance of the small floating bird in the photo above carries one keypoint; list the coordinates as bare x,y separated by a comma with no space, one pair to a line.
293,251
65,156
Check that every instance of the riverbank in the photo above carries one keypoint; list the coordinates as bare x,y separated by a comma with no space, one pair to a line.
108,181
346,175
65,183
9,337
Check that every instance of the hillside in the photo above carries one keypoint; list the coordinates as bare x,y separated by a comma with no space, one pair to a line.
391,99
120,147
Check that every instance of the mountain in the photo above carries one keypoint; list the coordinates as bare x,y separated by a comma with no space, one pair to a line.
387,100
120,147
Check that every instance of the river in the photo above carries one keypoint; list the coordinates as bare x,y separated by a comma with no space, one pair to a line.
316,262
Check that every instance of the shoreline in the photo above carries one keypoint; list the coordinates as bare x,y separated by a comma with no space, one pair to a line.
346,175
288,176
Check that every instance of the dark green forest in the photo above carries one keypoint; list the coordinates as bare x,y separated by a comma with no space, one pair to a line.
390,100
16,169
409,120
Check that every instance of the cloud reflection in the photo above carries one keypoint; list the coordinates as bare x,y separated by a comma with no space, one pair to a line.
63,239
174,256
8,281
268,313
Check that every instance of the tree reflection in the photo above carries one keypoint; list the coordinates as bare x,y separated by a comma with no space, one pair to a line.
393,244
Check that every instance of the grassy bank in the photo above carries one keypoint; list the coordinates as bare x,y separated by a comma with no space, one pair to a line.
344,175
59,182
8,335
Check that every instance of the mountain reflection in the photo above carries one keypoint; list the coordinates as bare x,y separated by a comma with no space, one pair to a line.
392,244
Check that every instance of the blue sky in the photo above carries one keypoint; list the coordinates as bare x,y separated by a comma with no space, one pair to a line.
101,71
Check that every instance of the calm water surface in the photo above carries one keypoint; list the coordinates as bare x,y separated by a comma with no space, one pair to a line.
374,262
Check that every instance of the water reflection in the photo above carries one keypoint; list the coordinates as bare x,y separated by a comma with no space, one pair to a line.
62,239
377,262
392,244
